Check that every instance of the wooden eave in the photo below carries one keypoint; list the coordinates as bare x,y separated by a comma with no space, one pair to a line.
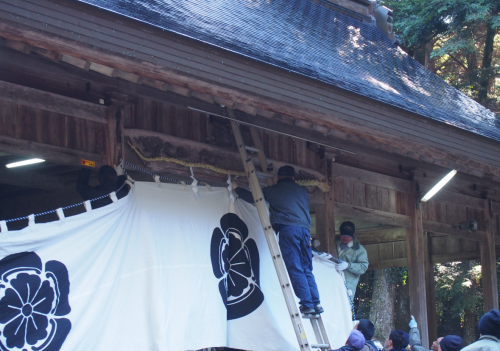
120,47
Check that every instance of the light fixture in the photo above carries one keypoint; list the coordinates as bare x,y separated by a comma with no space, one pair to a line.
24,163
438,186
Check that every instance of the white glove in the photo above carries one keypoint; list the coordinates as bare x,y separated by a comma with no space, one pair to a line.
342,265
413,322
119,169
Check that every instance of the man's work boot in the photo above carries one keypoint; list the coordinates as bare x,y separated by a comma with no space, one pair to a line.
306,310
318,309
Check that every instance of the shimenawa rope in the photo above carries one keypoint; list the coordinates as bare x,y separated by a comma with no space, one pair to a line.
323,186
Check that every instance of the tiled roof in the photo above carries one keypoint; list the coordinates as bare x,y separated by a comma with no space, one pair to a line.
315,41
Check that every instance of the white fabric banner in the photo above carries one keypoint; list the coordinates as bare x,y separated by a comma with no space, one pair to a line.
161,269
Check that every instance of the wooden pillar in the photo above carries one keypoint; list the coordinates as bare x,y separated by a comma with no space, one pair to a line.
488,262
430,285
325,216
416,269
111,140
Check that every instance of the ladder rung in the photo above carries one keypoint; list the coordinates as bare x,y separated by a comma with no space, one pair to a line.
311,316
264,175
320,346
251,148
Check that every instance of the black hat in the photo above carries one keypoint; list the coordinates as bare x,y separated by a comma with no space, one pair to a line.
451,343
366,328
347,228
107,176
286,171
489,324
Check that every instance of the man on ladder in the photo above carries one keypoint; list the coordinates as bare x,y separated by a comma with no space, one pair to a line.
289,215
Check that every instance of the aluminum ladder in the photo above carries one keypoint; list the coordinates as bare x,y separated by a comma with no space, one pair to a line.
279,264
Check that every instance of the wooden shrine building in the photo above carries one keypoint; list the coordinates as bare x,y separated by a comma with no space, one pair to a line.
326,85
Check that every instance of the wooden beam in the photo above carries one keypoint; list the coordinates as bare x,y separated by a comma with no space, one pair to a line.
448,229
50,153
51,102
489,263
371,215
415,250
372,178
379,236
454,198
440,258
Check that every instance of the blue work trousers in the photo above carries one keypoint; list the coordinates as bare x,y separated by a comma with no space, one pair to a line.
295,245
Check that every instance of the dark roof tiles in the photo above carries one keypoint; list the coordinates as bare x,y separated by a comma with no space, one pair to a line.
312,40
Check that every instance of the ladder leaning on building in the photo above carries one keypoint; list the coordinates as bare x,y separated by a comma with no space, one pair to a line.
279,264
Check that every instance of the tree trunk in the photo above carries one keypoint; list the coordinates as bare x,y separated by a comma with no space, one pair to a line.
430,63
420,53
486,70
470,312
403,315
382,309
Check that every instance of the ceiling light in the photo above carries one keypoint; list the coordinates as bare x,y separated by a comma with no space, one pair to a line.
24,163
439,185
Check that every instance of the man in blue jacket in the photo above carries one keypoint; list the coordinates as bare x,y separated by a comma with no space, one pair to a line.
289,214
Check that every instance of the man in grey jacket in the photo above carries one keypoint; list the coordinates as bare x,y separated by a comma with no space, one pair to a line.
447,343
353,256
289,214
489,328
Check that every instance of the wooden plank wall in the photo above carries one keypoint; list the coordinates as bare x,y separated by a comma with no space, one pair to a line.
36,125
167,119
374,197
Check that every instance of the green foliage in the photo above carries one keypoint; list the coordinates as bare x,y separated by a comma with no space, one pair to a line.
364,291
450,38
458,292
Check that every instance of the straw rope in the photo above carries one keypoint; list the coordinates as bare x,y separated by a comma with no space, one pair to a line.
323,186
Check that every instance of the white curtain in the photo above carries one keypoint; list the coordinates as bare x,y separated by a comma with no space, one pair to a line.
161,269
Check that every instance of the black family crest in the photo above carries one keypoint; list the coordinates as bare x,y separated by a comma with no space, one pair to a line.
33,299
235,261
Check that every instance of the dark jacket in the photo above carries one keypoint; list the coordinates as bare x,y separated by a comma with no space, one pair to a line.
347,348
288,203
88,193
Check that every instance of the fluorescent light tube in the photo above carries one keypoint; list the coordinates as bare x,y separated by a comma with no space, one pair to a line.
24,163
438,186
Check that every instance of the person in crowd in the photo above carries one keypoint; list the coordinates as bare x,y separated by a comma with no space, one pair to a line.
352,255
447,343
435,344
489,328
289,214
407,340
368,330
395,341
355,341
110,179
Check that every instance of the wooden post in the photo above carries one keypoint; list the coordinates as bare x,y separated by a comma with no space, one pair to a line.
431,293
325,216
488,262
416,268
112,142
